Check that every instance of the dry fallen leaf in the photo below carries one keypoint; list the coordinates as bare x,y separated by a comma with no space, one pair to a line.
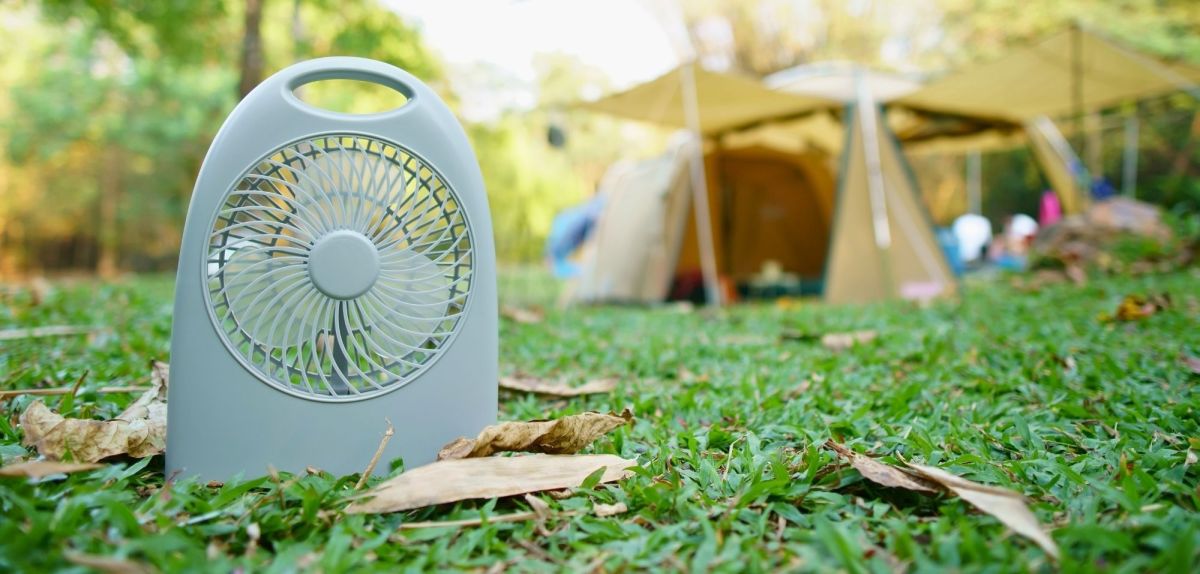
603,510
1137,307
1076,274
139,431
843,341
528,384
490,477
798,335
559,436
108,564
880,473
1007,506
522,315
1192,363
43,468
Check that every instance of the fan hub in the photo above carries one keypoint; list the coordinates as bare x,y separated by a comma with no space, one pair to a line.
343,264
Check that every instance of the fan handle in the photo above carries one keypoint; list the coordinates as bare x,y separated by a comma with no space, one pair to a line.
349,68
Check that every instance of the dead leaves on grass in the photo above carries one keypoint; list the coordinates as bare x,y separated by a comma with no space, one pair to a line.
1192,363
139,431
842,341
44,468
464,470
566,435
880,473
522,315
529,384
1137,307
1007,506
491,477
833,341
108,564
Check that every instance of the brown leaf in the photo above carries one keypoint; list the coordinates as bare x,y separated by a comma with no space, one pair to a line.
139,431
42,468
1137,307
1192,363
108,564
880,473
1076,274
798,335
843,341
603,510
522,315
559,436
1007,506
530,384
491,477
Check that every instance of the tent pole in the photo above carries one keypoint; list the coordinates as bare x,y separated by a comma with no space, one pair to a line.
1129,165
700,208
1077,81
974,182
875,191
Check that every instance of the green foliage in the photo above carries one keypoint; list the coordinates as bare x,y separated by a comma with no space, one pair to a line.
527,183
1029,391
177,29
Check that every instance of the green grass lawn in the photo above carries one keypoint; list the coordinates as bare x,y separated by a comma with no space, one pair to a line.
1031,391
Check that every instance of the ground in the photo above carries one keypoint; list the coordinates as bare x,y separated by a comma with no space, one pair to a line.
1033,391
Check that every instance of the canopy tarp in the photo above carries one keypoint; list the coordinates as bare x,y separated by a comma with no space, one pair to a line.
839,81
1039,80
725,102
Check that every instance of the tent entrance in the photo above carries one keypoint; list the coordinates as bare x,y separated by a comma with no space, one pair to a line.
771,216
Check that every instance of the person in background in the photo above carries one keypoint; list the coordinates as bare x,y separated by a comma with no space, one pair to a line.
1049,209
1011,247
973,233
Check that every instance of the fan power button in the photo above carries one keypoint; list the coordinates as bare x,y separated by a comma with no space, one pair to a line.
343,264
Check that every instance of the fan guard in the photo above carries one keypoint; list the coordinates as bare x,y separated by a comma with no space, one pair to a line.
339,267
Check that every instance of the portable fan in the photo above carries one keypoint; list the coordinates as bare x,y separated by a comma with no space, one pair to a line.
337,272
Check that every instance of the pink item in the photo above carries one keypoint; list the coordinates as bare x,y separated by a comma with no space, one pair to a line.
1051,209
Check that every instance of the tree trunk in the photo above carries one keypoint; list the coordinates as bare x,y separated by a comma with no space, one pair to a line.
1180,163
108,236
252,51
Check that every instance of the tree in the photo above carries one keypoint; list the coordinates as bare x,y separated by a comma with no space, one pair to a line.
252,50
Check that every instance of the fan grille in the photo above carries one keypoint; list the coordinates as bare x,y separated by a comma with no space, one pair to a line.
314,318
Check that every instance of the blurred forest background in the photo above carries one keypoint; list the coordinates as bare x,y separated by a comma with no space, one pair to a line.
107,107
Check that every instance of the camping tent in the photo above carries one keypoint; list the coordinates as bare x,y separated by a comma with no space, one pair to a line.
879,241
771,207
765,206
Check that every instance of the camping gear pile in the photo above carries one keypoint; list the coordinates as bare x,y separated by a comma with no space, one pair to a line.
1118,234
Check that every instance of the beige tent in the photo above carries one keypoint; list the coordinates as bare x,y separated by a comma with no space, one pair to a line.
883,244
766,208
779,213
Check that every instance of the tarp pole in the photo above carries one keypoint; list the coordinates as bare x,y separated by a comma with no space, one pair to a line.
1129,165
1077,81
700,208
875,183
670,15
974,182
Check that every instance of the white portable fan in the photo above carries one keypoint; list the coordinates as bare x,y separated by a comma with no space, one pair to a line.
337,272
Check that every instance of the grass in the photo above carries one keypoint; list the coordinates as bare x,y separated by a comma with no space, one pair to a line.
1030,391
